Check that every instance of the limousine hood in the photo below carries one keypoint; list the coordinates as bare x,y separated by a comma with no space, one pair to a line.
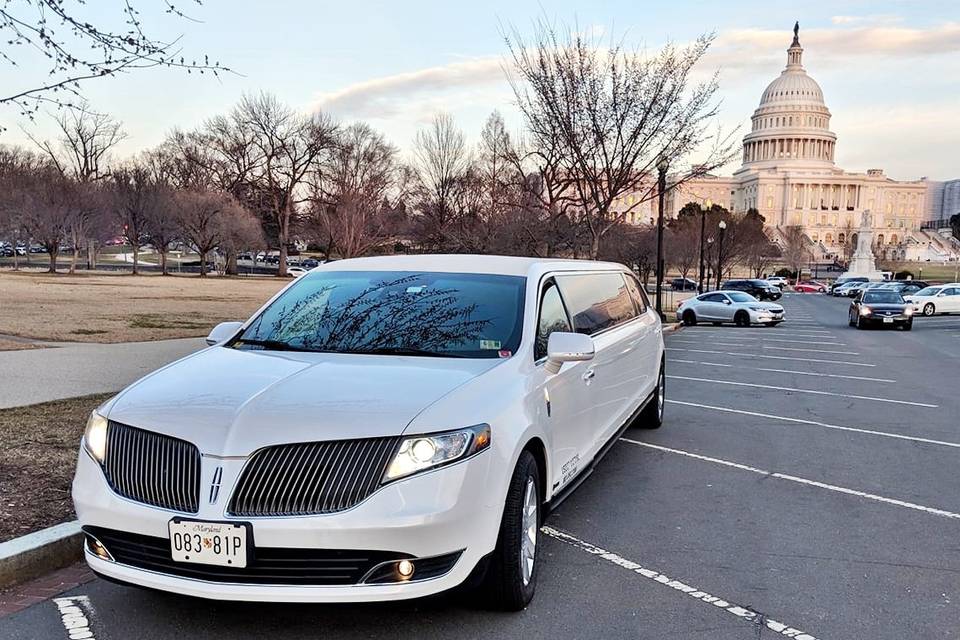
231,402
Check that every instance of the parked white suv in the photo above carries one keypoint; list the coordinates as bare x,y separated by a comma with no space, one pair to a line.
383,428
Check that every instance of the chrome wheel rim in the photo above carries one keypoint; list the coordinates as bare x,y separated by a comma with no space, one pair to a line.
661,392
528,540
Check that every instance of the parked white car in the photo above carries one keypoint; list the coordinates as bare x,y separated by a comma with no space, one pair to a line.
778,281
943,298
737,307
383,428
296,272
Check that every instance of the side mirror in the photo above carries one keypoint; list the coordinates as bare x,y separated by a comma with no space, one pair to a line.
223,332
727,302
567,347
941,294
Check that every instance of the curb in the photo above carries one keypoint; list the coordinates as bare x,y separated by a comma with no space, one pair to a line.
40,552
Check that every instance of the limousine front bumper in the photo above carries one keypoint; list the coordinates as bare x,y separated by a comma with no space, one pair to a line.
444,521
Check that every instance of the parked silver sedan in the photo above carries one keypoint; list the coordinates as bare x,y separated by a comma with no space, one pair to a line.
737,307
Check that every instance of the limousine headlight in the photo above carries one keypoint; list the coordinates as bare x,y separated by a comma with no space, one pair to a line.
95,436
419,453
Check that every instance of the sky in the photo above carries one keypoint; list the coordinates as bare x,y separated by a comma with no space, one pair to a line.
889,70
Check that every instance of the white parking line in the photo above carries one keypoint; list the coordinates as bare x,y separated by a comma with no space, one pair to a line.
812,483
810,391
842,353
753,340
745,613
757,355
871,432
802,373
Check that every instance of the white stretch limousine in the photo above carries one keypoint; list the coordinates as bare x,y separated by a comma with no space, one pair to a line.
383,428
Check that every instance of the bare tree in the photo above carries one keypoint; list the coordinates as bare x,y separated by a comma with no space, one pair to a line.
286,145
683,244
82,152
162,226
78,48
48,202
135,199
440,160
200,215
356,190
612,114
795,249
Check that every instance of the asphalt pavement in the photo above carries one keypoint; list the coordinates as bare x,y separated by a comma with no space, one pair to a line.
70,369
803,485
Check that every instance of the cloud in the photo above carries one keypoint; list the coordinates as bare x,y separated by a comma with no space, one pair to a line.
872,19
385,96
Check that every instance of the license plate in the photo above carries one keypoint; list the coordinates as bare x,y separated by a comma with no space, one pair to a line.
888,320
219,543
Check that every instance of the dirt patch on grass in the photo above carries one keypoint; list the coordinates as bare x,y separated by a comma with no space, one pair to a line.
37,461
16,345
98,307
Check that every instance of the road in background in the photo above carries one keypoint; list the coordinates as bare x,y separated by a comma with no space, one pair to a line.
67,370
804,485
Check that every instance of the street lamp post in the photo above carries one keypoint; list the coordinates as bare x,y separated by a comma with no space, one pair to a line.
709,260
662,165
723,228
703,222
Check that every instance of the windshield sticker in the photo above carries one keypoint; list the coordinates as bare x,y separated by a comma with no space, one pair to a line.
489,344
505,353
415,289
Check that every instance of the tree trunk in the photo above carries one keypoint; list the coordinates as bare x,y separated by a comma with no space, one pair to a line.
163,261
53,260
203,264
73,255
283,236
231,269
136,258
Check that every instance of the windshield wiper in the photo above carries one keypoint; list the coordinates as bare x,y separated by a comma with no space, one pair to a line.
403,351
269,345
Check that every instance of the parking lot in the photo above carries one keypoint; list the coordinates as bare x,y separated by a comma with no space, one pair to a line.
804,485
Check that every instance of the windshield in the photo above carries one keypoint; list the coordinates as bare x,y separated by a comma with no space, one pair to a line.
929,291
882,296
394,312
738,296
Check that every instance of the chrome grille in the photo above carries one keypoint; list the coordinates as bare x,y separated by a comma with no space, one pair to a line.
311,477
152,468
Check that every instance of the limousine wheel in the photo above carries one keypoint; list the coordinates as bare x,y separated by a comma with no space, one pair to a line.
652,415
512,577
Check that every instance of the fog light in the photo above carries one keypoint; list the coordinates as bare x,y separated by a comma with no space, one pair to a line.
96,548
405,569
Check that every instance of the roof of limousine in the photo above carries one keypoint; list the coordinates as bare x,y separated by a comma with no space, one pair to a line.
466,263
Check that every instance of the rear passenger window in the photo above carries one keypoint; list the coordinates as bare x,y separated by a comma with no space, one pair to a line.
596,301
713,297
636,292
553,317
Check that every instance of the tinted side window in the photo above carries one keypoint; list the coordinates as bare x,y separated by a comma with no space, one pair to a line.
596,301
714,297
636,292
553,317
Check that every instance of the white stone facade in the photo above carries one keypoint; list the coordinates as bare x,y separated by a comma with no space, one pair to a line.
788,174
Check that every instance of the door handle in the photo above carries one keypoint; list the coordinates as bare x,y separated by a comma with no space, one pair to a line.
588,375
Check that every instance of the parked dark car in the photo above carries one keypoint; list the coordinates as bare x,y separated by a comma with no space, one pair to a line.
842,281
759,289
880,307
905,287
683,284
310,263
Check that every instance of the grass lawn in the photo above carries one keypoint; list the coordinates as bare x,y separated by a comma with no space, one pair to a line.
13,345
930,271
37,461
102,307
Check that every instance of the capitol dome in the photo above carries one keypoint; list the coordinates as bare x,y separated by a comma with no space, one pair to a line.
792,123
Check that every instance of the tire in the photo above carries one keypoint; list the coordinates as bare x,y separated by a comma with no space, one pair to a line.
929,309
850,321
908,325
689,318
652,415
860,324
511,579
741,319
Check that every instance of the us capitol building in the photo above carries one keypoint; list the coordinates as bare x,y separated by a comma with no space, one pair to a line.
788,174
